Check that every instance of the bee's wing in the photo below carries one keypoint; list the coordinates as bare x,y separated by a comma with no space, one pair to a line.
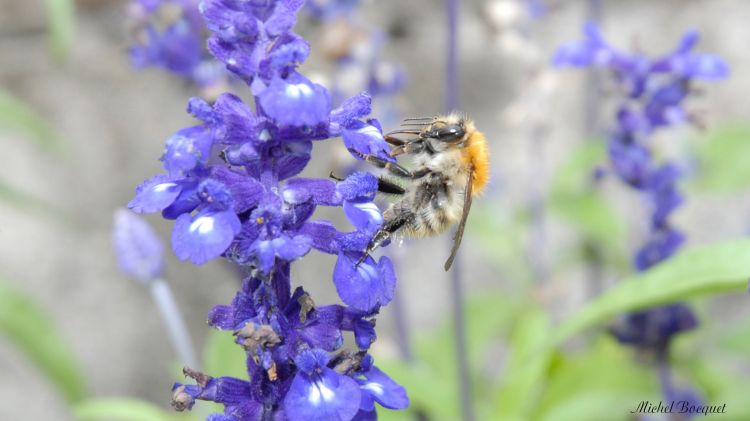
461,225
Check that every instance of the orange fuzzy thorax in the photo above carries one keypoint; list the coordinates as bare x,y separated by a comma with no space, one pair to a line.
478,154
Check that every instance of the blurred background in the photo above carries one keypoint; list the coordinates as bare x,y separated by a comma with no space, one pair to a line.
80,127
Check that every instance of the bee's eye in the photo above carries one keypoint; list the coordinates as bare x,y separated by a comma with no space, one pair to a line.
448,133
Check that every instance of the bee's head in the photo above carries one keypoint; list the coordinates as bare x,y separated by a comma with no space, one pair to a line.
446,132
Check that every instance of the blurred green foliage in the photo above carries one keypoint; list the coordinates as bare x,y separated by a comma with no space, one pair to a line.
575,198
697,271
723,159
18,116
27,326
122,409
61,26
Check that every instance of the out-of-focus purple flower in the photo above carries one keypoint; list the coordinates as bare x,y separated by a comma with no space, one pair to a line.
140,252
653,329
654,91
169,34
330,9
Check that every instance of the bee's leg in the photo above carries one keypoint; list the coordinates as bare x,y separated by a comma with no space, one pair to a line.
391,167
384,233
408,148
384,185
335,177
394,140
389,187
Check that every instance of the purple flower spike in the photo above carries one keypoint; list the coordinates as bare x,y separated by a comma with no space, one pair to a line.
318,393
367,287
140,253
228,188
204,236
655,92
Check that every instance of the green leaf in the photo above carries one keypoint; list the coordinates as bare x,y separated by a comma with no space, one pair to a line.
16,115
121,409
61,16
604,375
724,157
223,357
29,328
698,271
524,378
596,406
735,338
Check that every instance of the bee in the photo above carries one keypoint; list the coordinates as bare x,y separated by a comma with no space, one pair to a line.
451,161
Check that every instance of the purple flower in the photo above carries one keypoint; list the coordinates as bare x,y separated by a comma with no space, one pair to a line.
140,253
234,394
228,185
330,9
187,149
295,101
654,91
377,387
169,35
204,236
366,287
155,194
653,329
320,393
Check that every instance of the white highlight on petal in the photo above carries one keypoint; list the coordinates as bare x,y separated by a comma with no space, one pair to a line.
299,90
319,391
368,271
265,135
290,196
375,388
370,130
203,225
373,212
163,186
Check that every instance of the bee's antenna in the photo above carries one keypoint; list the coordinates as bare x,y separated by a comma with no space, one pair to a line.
417,118
414,124
405,132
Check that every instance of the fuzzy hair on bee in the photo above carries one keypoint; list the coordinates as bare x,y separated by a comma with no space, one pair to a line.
451,166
